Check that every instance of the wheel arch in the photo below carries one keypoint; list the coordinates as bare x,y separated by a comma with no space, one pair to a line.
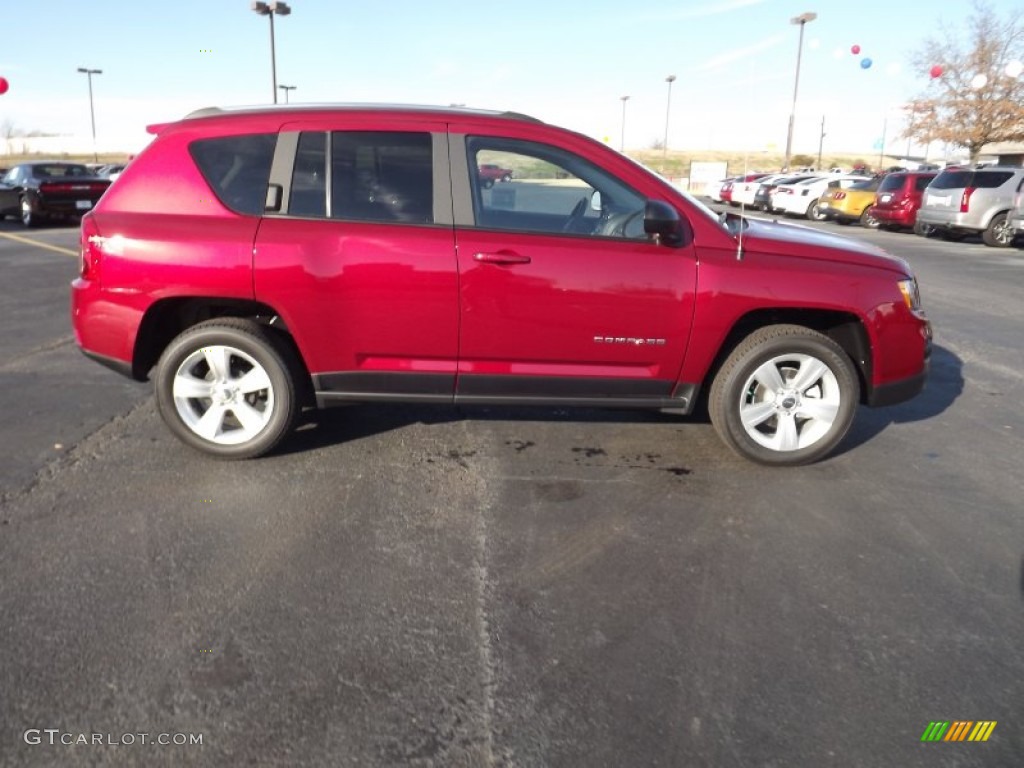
167,318
845,328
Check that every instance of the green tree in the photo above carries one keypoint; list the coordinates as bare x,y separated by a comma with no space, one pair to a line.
979,96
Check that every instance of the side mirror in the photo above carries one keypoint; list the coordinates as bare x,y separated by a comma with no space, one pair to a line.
662,221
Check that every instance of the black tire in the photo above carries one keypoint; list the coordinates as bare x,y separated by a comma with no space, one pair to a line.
245,345
507,178
999,233
738,389
867,220
29,217
814,212
924,230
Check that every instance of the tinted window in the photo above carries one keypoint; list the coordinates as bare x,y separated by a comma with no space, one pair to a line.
991,179
382,176
237,169
551,190
56,171
892,182
922,181
952,180
868,185
308,195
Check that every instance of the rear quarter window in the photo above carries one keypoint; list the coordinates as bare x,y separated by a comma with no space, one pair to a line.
237,168
953,180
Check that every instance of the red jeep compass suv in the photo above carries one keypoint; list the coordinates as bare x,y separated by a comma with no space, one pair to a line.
250,256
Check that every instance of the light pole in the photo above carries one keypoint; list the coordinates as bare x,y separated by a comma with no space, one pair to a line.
622,145
287,88
92,113
802,20
269,10
668,111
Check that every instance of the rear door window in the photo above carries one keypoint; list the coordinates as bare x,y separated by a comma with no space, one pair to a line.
237,168
991,179
382,176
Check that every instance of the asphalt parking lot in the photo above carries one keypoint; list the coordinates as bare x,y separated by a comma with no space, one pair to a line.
420,586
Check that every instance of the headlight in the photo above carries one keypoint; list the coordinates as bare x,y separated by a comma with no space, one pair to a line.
911,293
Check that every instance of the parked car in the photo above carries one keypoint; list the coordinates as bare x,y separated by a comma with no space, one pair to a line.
39,191
801,199
713,189
845,206
899,198
743,191
966,201
763,196
334,255
1017,212
490,173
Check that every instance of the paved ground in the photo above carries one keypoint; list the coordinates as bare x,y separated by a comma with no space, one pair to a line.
408,586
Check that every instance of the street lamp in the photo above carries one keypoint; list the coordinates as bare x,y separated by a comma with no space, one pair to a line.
802,20
287,88
269,10
668,111
92,114
622,146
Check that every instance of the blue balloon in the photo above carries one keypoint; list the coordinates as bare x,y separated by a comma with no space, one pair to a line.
865,63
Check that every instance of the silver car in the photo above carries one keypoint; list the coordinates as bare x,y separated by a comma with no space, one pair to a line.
1017,212
964,201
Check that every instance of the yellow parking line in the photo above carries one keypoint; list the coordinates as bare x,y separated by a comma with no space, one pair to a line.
47,246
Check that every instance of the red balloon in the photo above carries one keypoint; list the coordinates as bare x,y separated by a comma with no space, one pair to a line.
935,71
4,85
854,49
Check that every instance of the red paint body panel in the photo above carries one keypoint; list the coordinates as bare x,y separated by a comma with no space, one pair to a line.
360,296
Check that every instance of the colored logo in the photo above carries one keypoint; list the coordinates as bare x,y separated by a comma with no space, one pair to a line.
958,730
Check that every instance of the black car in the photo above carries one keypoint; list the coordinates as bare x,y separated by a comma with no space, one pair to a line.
35,192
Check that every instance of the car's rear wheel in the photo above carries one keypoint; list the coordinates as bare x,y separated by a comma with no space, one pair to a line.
999,233
29,217
227,387
785,396
867,220
924,230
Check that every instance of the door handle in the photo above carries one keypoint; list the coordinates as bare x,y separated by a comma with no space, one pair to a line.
502,257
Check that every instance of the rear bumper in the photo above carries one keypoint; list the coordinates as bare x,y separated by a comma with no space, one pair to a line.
951,220
902,216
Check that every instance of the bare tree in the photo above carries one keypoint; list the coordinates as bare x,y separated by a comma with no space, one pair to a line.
976,100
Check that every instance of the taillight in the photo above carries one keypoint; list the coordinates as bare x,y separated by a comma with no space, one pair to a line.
838,195
965,199
92,249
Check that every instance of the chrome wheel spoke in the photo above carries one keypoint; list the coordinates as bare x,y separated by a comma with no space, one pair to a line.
219,360
756,413
254,381
252,421
210,424
188,386
769,377
824,411
811,370
786,436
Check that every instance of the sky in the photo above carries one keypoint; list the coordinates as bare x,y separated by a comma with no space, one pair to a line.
567,62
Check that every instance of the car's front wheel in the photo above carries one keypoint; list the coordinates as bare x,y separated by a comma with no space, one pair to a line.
785,396
814,212
227,387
